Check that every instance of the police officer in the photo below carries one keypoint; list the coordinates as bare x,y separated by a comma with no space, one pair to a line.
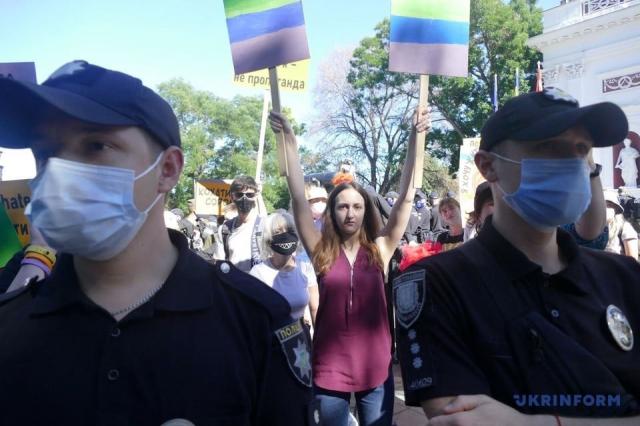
520,326
131,327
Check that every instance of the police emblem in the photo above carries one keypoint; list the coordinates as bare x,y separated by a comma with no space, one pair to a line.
295,345
409,295
620,328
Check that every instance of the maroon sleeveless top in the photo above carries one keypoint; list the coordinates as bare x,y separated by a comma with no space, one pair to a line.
352,342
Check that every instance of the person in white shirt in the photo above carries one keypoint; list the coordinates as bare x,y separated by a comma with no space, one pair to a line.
295,281
239,239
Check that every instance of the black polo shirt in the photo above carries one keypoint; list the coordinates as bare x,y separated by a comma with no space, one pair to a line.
484,319
203,349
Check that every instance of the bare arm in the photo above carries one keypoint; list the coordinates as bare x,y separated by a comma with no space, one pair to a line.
309,235
592,222
631,248
401,211
27,272
314,298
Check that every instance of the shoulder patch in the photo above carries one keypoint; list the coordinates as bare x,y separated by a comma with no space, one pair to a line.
296,348
255,290
409,295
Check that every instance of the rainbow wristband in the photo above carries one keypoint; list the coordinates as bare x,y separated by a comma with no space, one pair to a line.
37,256
47,252
38,264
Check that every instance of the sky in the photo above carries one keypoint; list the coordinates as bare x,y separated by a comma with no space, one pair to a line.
157,40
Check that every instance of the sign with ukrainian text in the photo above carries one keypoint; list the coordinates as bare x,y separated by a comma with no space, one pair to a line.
292,77
265,33
9,242
469,177
14,197
24,71
429,37
206,202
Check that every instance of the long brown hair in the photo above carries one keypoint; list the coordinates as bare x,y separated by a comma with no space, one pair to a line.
328,248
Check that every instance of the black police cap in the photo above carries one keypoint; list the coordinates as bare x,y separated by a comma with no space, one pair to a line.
87,93
541,115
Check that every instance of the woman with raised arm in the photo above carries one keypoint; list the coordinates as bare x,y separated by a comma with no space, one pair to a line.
352,341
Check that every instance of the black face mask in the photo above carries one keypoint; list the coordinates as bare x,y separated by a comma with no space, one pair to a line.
285,243
244,204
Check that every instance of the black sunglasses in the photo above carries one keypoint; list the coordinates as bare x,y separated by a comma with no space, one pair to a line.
238,195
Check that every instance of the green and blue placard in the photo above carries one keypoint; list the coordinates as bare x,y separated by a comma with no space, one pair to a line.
429,37
265,33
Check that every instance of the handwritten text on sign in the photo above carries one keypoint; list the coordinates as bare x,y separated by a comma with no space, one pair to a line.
14,196
291,77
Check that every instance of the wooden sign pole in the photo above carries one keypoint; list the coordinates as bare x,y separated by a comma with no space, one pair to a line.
263,129
420,137
283,165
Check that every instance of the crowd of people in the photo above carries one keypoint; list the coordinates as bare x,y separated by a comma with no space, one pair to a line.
123,312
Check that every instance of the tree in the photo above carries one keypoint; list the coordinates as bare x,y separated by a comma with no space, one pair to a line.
220,140
497,46
364,110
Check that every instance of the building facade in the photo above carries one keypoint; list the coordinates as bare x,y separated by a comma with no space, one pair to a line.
591,49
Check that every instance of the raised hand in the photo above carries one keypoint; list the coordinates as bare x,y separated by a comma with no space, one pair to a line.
422,121
279,123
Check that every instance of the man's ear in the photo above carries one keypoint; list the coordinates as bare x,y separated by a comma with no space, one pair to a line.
172,165
485,164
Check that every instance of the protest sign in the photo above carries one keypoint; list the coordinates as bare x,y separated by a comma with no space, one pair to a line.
24,71
469,176
206,202
265,33
219,188
292,77
429,37
9,242
14,197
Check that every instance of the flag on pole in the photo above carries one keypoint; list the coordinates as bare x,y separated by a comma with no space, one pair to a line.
517,81
265,33
539,86
429,37
495,92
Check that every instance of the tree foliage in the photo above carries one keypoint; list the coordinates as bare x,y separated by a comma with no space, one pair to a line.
364,110
220,140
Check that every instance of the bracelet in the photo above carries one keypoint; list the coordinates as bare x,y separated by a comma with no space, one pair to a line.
559,423
44,251
38,264
39,257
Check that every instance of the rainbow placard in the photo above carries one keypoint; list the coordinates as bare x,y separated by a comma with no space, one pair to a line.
265,33
429,37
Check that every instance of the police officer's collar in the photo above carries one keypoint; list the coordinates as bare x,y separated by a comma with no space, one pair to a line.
188,287
517,265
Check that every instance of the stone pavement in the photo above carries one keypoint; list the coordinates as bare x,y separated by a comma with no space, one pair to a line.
402,414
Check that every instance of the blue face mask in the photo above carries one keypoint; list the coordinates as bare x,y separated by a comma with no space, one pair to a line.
420,204
552,192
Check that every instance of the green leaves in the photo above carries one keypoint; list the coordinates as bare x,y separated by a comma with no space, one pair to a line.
220,140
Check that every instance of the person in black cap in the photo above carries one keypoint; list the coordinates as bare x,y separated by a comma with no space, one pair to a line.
520,326
131,327
420,224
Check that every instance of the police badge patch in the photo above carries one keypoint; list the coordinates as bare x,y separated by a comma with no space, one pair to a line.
295,345
409,295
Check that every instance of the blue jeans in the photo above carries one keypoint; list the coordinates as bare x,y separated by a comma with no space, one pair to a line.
375,406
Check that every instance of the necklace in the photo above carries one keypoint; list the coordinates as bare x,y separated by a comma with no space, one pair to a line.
139,303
